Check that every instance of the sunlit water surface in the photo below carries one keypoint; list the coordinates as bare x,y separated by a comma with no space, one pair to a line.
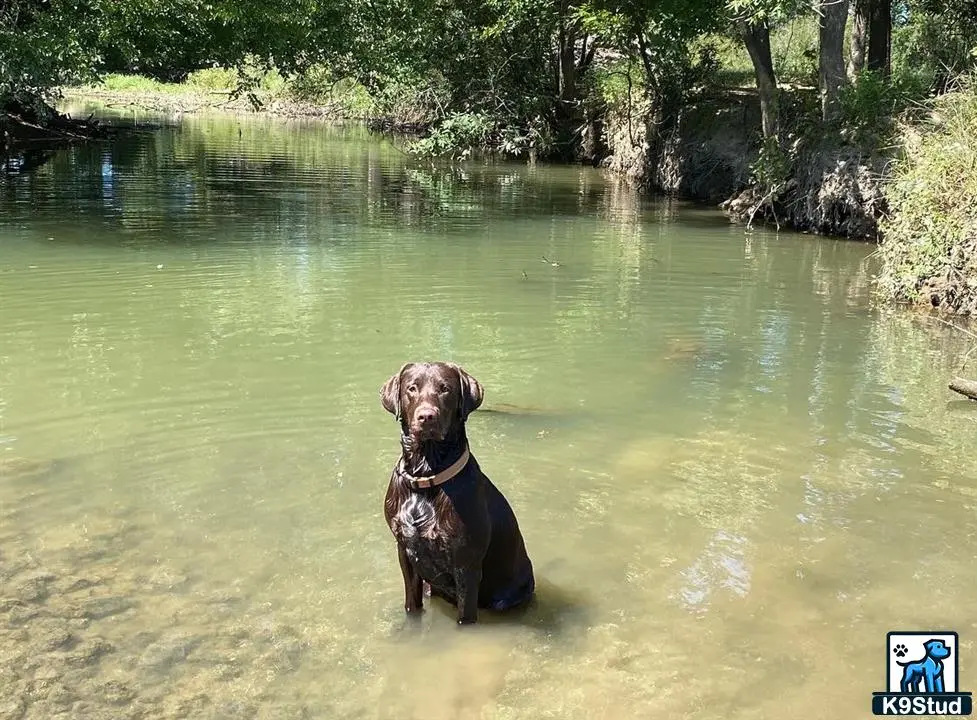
733,475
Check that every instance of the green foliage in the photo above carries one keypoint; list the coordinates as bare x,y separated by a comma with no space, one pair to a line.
870,105
772,12
116,82
457,136
665,31
214,79
317,85
732,63
44,45
771,170
415,101
619,83
929,251
793,46
495,71
226,80
936,41
419,62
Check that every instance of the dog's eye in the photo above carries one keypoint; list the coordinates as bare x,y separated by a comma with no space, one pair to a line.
442,388
412,389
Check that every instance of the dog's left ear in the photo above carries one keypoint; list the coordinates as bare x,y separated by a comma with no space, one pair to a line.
471,392
390,392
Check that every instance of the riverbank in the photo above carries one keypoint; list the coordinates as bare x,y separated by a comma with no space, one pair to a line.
29,135
828,185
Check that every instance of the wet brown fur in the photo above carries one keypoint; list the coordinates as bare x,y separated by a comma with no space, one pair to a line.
460,537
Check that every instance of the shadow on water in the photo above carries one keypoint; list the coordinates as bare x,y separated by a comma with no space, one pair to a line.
501,413
20,470
554,610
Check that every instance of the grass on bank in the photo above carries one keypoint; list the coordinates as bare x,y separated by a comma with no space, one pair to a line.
314,93
929,247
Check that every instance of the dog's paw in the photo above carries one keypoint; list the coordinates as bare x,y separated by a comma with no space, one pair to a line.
900,650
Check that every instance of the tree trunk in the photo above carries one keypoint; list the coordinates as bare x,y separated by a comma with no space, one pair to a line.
831,61
859,38
567,65
566,99
756,37
880,37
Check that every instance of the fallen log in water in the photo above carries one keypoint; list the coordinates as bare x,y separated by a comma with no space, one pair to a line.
967,388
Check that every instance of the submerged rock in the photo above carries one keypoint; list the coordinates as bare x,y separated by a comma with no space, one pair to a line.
45,676
99,608
233,710
12,709
169,651
162,580
31,589
69,585
114,692
20,614
88,652
48,634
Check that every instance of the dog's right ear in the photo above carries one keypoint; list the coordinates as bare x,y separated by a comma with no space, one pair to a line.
390,392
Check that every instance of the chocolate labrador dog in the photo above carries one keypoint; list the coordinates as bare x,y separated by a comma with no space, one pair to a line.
455,531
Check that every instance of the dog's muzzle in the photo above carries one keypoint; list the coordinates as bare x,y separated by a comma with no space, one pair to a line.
426,424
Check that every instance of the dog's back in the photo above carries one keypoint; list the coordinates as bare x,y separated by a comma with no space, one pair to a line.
507,573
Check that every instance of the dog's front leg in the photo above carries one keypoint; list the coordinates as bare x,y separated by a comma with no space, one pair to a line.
467,580
413,588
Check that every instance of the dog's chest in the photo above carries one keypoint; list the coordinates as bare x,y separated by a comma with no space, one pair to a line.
426,539
432,559
417,519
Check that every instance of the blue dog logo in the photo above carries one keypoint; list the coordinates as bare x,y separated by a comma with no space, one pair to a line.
928,670
927,686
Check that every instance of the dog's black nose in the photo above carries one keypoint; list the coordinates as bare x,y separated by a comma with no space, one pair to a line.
426,417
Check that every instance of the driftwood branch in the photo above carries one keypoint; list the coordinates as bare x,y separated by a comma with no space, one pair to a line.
967,388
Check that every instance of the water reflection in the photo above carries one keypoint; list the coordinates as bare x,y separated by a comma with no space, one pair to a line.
298,177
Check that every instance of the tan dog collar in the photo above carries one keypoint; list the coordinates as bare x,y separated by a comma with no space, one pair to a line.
429,481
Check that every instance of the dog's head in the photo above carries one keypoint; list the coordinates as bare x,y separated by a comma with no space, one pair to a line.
936,649
429,399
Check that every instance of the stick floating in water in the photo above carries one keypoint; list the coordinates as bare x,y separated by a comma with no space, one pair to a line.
967,388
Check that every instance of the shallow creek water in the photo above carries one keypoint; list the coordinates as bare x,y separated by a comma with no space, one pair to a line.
733,474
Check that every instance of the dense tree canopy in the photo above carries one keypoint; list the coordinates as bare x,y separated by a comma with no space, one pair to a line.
518,70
